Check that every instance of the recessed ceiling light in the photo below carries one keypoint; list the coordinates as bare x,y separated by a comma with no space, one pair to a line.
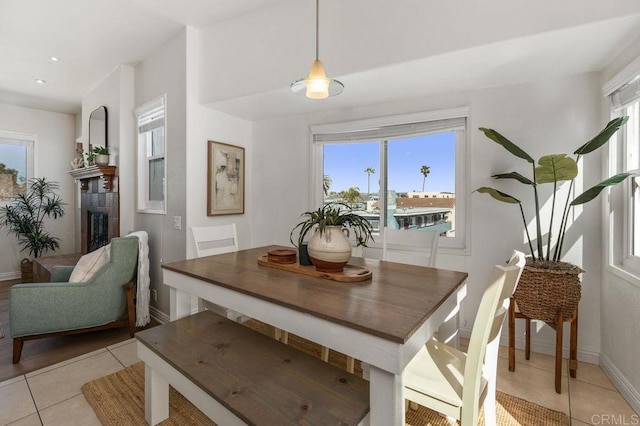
40,81
54,59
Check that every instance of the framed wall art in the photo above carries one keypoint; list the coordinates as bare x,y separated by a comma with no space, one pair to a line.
225,183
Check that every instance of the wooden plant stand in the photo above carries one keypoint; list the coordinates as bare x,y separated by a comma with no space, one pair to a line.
558,327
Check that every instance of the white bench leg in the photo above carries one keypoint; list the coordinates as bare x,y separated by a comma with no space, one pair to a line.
156,397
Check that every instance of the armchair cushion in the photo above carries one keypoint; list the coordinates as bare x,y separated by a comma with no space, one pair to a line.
90,264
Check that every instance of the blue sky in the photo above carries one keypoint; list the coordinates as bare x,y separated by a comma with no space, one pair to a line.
13,157
345,164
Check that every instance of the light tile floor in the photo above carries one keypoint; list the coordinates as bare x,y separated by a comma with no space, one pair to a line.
53,395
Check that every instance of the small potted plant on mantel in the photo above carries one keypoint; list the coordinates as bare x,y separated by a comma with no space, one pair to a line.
329,248
101,155
25,217
547,284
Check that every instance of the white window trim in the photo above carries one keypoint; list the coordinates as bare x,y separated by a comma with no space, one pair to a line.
22,139
451,245
618,258
144,205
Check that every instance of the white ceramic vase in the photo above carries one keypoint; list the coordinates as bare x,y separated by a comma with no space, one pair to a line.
102,159
330,251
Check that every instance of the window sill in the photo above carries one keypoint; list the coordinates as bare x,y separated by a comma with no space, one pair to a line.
624,274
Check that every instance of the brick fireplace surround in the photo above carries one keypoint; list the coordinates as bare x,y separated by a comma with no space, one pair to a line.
96,200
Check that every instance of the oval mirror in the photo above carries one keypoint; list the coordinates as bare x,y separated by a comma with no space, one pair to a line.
98,127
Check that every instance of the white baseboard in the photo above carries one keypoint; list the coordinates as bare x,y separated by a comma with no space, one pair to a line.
625,388
541,347
5,276
158,315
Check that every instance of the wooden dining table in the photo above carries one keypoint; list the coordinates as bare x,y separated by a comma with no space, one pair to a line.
382,321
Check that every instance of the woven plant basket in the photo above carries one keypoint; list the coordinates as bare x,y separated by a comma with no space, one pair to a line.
548,287
26,271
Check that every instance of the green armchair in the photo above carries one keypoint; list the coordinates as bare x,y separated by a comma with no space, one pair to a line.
38,310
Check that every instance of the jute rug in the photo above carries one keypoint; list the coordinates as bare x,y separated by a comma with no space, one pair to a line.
118,399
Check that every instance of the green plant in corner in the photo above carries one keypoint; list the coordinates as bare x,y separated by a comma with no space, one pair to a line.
25,216
555,168
337,214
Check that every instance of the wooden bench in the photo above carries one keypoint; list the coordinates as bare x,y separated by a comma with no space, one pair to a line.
238,376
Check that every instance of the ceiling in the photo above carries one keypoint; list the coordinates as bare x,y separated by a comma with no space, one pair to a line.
92,37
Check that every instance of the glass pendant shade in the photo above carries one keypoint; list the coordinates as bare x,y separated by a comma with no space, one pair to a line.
317,85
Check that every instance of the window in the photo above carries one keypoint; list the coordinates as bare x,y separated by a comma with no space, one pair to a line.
630,136
16,164
402,172
625,157
151,156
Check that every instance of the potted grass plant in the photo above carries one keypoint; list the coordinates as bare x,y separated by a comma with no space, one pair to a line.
547,282
329,248
25,218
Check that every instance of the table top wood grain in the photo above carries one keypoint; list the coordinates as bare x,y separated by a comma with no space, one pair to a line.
392,305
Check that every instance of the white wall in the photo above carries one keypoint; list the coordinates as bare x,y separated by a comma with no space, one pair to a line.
116,93
203,125
54,150
547,117
165,72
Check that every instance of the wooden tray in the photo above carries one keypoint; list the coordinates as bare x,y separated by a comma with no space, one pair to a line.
350,274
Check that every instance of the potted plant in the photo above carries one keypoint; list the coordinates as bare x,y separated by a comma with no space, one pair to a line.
101,154
329,249
25,217
547,281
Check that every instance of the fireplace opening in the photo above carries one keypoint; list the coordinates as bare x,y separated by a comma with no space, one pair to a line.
98,228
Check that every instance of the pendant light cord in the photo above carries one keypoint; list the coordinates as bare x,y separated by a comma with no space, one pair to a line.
317,28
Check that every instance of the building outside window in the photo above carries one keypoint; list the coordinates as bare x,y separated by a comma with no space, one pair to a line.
402,172
16,164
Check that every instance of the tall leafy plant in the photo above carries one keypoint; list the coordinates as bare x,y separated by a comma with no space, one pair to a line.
553,169
26,214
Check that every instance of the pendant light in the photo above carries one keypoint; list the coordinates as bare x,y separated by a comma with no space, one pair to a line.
317,85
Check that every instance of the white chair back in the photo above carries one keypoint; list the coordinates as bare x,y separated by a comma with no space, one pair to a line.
413,247
485,336
211,240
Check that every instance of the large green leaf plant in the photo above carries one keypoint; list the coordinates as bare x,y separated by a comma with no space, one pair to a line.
552,169
25,216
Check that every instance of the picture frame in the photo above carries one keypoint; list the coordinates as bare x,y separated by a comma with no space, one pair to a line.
225,179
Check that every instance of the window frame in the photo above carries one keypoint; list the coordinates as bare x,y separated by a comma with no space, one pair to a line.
21,139
630,261
618,213
455,245
144,203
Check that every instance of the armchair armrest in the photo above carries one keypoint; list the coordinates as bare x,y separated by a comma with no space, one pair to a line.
61,273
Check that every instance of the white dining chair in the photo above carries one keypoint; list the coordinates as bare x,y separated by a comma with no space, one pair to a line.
415,247
454,383
220,239
212,240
